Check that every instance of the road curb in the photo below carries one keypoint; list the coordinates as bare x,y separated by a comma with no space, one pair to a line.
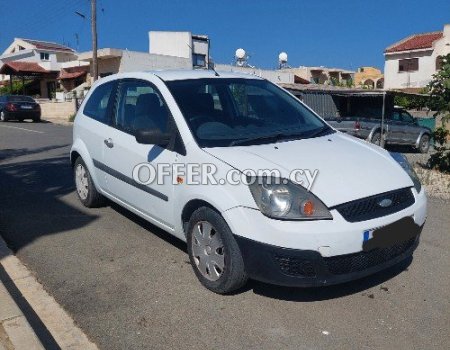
34,306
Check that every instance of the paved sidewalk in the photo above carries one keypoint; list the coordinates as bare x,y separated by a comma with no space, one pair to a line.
15,330
30,319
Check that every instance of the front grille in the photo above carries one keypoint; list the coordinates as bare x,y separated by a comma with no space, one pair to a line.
369,208
343,264
294,266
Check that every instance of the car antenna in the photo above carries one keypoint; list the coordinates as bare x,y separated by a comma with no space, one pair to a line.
215,72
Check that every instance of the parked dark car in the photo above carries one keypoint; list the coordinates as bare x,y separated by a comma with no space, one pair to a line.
17,107
401,128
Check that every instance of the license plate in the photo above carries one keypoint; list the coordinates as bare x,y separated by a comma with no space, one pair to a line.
386,236
26,107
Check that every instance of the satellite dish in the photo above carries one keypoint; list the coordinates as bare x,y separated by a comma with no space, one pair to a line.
283,57
240,54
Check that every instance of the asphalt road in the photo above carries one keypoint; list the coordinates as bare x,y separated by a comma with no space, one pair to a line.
128,285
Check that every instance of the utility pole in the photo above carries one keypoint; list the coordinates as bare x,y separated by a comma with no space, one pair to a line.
94,39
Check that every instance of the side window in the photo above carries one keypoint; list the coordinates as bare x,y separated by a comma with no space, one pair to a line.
97,105
407,117
396,116
140,107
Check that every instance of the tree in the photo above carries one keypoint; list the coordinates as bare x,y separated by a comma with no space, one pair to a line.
439,89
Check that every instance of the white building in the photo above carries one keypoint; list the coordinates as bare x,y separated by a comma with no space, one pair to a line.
46,67
276,76
411,62
323,75
181,44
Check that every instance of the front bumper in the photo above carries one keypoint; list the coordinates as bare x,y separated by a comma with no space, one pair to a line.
322,252
307,268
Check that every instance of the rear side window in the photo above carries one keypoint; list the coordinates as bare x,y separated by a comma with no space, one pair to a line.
97,105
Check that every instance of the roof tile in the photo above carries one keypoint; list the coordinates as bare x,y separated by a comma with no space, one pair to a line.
415,42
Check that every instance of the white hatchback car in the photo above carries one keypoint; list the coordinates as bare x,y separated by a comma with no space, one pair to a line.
210,157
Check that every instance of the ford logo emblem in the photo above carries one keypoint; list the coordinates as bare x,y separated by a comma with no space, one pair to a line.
384,203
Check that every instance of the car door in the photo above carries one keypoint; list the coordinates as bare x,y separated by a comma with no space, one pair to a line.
410,128
96,124
395,131
140,105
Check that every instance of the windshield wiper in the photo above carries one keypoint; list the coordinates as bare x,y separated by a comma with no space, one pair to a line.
325,130
273,138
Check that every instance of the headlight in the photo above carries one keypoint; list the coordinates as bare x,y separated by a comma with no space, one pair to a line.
286,201
403,162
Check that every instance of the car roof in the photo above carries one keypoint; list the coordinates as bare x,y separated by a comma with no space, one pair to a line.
181,74
17,96
170,75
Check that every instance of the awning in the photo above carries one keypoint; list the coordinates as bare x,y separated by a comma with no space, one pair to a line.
64,74
22,68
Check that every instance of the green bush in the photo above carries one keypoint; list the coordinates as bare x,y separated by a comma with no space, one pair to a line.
440,160
439,101
72,117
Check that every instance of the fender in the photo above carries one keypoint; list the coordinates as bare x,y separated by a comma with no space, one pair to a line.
80,147
376,128
423,132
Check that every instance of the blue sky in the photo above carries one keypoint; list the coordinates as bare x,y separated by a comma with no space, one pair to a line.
341,33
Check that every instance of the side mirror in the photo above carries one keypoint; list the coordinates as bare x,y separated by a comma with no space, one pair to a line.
152,137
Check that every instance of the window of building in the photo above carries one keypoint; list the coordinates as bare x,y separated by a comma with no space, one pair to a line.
199,60
439,62
97,105
408,65
45,56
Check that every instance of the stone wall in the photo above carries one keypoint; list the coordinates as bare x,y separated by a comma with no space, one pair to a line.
57,112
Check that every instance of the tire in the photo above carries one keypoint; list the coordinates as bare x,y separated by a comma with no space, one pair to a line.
3,117
214,253
36,120
376,138
424,143
85,188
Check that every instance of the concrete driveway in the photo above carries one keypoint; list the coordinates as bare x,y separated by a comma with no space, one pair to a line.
129,285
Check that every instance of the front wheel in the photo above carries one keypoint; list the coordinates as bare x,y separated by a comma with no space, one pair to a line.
424,144
214,253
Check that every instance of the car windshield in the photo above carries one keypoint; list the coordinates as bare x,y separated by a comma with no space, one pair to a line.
229,112
20,99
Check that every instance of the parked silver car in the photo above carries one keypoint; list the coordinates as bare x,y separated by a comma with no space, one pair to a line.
401,128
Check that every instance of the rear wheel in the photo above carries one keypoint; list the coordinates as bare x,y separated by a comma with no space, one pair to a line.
424,144
3,117
86,191
214,253
36,120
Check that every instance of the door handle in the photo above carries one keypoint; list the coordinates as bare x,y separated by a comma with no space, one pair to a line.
109,143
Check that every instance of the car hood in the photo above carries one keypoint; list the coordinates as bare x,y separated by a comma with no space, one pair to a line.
348,168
